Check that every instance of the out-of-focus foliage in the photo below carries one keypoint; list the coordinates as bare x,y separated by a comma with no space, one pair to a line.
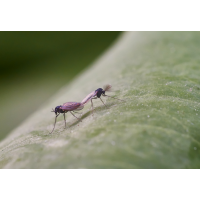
35,64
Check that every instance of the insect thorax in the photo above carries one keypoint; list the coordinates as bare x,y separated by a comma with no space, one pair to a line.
99,91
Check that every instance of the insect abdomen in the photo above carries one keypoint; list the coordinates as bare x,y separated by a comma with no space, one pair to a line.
88,97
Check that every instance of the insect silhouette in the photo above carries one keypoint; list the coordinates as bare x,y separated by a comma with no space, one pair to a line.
67,107
97,94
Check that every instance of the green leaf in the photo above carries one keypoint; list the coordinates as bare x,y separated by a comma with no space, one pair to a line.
157,73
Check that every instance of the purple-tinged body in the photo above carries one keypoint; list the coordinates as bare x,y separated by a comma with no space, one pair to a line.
97,94
88,97
67,107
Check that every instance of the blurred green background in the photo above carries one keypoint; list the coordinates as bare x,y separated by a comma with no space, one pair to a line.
34,65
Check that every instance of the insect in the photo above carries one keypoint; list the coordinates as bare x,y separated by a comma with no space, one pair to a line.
67,107
97,94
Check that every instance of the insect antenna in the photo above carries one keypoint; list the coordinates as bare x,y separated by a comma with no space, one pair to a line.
54,123
113,97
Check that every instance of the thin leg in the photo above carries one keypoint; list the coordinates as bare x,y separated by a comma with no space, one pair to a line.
92,108
103,102
92,105
113,97
64,120
75,116
77,112
54,123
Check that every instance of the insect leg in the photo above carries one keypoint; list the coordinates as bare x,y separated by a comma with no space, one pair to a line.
75,116
103,102
92,105
54,123
113,97
77,112
64,120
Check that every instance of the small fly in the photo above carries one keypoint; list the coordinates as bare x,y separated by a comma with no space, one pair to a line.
67,107
97,94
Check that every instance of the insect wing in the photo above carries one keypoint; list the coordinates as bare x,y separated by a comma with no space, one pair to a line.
69,106
88,97
80,107
107,88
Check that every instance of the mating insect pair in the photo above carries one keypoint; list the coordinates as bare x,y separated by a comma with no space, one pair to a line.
76,106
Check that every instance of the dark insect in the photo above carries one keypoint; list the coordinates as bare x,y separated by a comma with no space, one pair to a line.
97,94
67,107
